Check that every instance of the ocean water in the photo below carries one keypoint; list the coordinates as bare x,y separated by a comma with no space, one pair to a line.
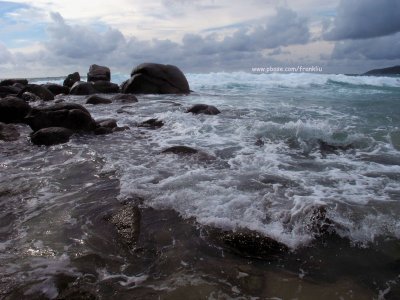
283,146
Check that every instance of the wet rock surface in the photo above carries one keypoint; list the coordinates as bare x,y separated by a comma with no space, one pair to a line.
51,136
127,222
95,100
152,124
8,132
13,109
203,109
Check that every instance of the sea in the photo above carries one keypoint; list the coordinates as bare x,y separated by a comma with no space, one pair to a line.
284,148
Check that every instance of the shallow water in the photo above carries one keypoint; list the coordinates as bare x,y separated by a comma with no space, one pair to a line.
56,239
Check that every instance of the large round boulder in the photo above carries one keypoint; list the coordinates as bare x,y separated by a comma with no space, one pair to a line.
106,87
13,109
68,115
97,73
95,99
40,91
71,79
151,78
51,136
9,90
81,88
9,82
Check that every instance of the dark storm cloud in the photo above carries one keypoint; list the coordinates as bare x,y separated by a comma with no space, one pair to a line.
363,19
381,48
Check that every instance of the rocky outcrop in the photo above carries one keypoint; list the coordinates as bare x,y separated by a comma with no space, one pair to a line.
10,82
395,70
29,97
203,109
40,91
71,79
152,124
68,115
124,98
151,78
105,87
13,110
56,89
97,100
97,73
8,132
9,91
51,136
81,88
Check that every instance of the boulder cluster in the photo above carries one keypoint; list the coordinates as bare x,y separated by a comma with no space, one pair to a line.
55,122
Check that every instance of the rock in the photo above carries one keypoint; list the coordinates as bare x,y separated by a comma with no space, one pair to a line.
9,82
106,87
29,97
259,142
56,89
71,79
9,91
40,91
8,132
103,130
109,123
51,136
326,148
252,244
97,73
127,222
13,110
152,124
318,223
68,115
81,88
97,100
203,109
395,70
184,150
151,78
125,98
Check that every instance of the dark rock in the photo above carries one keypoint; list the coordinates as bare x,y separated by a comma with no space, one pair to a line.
97,100
252,244
106,87
326,148
56,89
184,150
152,124
259,142
203,109
123,128
68,115
71,79
13,109
81,88
109,123
97,73
385,71
150,78
40,91
9,91
8,132
103,130
9,82
51,136
29,97
127,222
318,223
125,98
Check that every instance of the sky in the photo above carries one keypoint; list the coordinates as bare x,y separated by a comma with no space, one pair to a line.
53,38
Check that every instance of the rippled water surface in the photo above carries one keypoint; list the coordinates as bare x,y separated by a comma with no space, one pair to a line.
283,146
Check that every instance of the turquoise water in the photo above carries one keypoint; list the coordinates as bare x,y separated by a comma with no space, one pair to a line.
329,141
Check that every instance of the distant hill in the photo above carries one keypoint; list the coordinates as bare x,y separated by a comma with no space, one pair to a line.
386,71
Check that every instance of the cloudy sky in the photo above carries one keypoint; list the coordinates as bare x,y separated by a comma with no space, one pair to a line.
43,38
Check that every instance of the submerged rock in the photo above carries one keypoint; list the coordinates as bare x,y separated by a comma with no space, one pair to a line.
71,79
183,150
97,100
318,222
203,109
13,110
68,115
151,78
326,148
97,73
81,88
152,124
109,123
127,222
8,132
51,136
253,244
125,98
